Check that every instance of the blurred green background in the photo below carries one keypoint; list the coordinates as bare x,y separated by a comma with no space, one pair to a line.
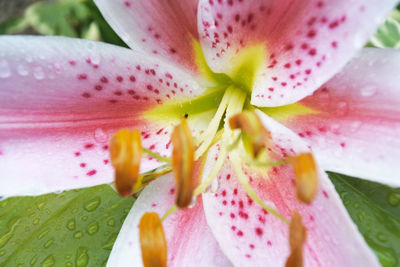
73,18
81,18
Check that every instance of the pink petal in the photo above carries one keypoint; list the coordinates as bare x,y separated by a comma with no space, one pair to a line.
163,28
307,41
60,101
190,242
251,237
357,130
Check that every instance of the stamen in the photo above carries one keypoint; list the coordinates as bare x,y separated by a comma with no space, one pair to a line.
244,181
255,136
156,156
152,241
205,140
125,154
306,176
236,102
183,163
150,176
297,237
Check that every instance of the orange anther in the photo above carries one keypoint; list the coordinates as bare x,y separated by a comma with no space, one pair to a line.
305,169
126,154
182,163
152,241
297,237
253,130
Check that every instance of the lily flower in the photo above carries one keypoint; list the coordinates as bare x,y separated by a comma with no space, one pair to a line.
62,99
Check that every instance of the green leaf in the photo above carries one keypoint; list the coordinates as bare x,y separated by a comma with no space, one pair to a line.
107,33
57,18
13,25
372,213
74,228
388,34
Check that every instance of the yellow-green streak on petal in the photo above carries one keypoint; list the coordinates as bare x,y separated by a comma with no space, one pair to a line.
208,74
287,112
247,65
174,110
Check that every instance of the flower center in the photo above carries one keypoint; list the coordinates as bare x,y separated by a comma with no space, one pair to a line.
242,138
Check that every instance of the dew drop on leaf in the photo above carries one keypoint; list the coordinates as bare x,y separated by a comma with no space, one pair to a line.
49,261
381,237
33,260
92,228
82,258
40,205
394,199
43,234
111,222
71,224
78,234
92,204
48,243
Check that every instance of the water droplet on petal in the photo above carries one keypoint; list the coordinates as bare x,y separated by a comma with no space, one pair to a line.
38,73
95,58
57,68
23,70
29,59
4,69
368,90
192,203
324,98
355,126
100,136
214,186
342,108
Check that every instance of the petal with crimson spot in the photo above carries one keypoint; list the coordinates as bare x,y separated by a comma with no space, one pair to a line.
62,100
162,28
190,241
306,41
354,128
250,236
